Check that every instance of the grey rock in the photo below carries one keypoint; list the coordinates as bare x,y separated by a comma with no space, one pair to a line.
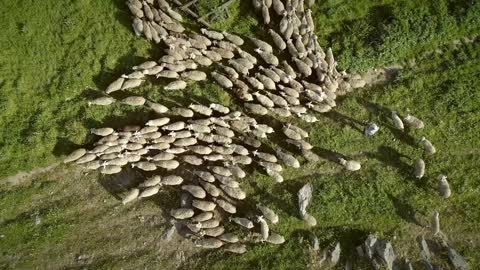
457,261
385,251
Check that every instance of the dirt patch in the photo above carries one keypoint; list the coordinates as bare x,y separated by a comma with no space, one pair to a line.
21,177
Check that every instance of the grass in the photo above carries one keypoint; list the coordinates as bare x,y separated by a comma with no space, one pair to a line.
54,54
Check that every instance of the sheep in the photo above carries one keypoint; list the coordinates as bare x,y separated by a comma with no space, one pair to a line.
302,67
192,160
134,101
229,238
176,85
277,40
268,57
252,59
174,27
201,109
110,169
274,238
196,191
168,164
194,75
268,213
288,159
256,108
115,85
397,121
182,213
145,166
226,206
170,74
211,189
148,192
235,193
85,158
205,206
211,223
275,176
224,53
158,122
185,142
198,128
413,122
309,220
237,171
264,230
270,74
227,181
292,50
371,129
174,15
278,7
213,232
289,70
205,176
209,243
171,180
264,100
131,195
265,156
244,222
419,168
288,92
300,144
427,146
233,38
222,80
152,181
236,248
174,126
270,166
350,165
290,133
212,55
203,216
75,155
219,108
265,13
203,60
212,34
443,187
262,45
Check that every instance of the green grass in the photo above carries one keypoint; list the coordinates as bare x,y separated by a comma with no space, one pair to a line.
53,54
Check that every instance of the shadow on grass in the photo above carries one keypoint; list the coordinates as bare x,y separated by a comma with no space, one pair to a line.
392,158
384,115
404,209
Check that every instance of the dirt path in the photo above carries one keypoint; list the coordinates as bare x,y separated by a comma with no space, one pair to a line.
21,177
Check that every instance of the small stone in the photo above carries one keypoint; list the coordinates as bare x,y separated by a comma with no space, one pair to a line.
335,255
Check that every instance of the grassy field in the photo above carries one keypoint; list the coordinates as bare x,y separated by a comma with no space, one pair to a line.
54,55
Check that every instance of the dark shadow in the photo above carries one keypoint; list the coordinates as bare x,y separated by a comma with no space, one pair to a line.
328,154
392,158
123,66
404,209
64,146
123,181
345,120
384,114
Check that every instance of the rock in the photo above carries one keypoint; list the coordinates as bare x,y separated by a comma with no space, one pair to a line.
371,129
385,251
369,245
457,261
424,247
335,255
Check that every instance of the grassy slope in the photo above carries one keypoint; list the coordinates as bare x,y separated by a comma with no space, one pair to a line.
86,44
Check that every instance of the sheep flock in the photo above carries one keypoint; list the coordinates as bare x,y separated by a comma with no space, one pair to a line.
205,150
